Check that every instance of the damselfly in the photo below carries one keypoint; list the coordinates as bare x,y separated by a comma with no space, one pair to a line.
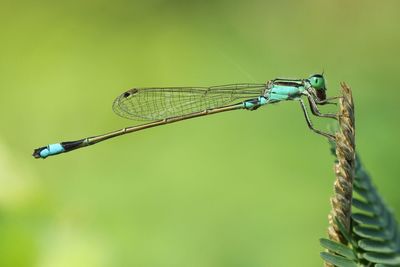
167,105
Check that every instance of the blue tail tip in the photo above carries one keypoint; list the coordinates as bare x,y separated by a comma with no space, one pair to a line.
45,151
38,152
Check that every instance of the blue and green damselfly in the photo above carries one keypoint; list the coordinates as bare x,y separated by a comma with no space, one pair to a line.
167,105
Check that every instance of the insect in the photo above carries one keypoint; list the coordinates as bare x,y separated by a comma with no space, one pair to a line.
167,105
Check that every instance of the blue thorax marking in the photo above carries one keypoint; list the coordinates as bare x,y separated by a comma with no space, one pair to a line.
284,90
280,92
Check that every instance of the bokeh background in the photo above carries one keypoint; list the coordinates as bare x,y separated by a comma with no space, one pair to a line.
236,189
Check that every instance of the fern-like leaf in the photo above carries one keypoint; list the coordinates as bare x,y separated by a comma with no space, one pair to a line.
374,238
338,260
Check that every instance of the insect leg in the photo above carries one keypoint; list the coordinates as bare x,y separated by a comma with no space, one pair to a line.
327,101
310,125
315,109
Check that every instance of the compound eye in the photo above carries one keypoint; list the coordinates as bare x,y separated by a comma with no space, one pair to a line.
317,81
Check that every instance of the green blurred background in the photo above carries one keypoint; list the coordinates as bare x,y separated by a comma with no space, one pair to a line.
237,189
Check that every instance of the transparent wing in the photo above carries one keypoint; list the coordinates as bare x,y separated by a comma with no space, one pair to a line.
160,103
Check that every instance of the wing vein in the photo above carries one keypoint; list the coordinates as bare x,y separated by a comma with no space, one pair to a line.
159,103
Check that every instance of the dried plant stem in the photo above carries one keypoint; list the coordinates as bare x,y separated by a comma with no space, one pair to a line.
344,168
